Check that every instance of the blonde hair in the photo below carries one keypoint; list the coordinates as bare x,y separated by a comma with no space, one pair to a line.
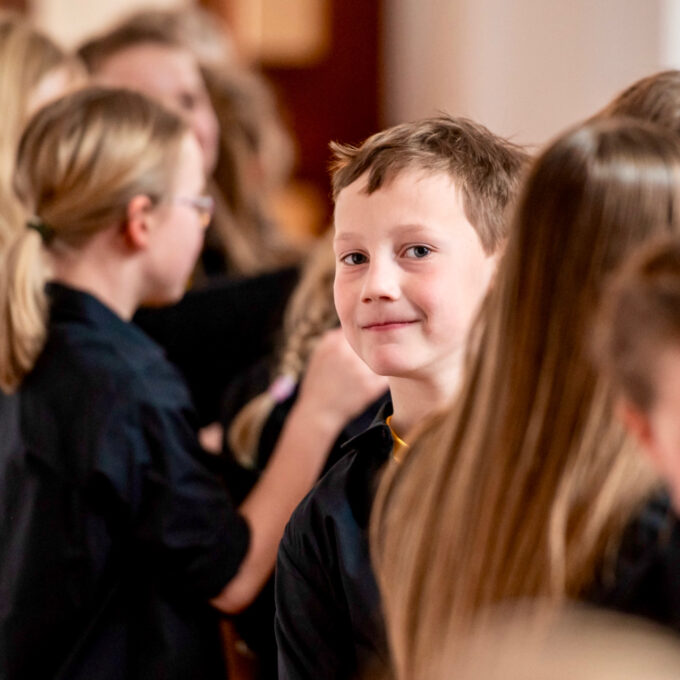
26,57
309,313
256,156
248,121
524,486
486,168
80,161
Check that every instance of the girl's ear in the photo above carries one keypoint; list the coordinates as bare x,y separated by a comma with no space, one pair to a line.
137,225
639,425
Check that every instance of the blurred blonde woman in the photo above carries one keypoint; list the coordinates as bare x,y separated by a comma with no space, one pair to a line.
33,70
256,151
526,484
154,56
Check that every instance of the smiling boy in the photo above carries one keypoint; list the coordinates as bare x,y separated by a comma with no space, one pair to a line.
420,215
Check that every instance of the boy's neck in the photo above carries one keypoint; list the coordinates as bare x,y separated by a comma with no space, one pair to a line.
415,399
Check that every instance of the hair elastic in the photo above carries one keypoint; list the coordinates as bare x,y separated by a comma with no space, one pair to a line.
282,388
38,224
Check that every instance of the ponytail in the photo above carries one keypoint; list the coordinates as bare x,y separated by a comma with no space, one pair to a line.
23,307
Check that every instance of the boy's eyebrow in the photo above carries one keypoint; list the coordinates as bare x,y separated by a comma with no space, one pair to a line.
411,226
345,237
414,226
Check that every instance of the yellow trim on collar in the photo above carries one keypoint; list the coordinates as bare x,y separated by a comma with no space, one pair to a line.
400,446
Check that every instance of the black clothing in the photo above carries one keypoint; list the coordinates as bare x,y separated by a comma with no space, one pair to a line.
255,623
646,578
117,535
277,418
328,618
214,333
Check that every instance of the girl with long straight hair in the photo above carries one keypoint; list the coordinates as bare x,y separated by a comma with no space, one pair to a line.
524,486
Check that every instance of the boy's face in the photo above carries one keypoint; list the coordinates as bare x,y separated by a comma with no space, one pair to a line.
659,430
410,273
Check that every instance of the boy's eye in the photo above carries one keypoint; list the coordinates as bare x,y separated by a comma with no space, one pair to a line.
354,259
417,251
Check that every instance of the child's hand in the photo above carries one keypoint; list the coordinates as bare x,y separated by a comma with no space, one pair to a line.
338,385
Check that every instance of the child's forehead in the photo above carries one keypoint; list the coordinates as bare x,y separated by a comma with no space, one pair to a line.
404,177
414,193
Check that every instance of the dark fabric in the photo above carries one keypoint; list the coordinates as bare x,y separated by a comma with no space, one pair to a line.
645,580
213,334
255,624
115,534
328,617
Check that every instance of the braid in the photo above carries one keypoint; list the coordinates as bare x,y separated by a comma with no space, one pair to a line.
310,312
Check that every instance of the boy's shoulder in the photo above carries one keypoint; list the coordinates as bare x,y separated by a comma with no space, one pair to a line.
324,568
341,500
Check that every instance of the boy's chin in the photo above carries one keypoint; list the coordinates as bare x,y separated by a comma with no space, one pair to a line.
390,367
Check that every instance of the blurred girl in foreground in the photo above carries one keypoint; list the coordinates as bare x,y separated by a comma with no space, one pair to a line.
525,486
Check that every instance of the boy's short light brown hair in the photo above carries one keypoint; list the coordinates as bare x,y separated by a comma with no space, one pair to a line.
486,168
639,318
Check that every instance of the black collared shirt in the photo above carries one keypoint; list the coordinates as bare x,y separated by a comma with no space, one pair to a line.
114,534
328,618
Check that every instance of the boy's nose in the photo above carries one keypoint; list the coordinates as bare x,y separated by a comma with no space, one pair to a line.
381,282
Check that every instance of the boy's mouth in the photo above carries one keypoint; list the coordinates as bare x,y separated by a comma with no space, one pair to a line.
388,325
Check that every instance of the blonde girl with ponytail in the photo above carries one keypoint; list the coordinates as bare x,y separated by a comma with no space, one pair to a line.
114,537
524,486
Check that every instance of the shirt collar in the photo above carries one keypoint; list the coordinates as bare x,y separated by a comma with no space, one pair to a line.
373,448
69,305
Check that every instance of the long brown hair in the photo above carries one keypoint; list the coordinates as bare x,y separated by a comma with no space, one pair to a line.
655,98
80,161
639,319
523,486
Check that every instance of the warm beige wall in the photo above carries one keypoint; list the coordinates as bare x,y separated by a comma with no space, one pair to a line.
526,68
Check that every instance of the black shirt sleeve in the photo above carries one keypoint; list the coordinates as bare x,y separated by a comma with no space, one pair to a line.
148,474
312,624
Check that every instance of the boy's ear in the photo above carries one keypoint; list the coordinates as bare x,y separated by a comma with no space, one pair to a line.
136,226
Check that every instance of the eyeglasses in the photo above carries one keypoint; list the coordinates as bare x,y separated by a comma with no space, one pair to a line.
203,205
